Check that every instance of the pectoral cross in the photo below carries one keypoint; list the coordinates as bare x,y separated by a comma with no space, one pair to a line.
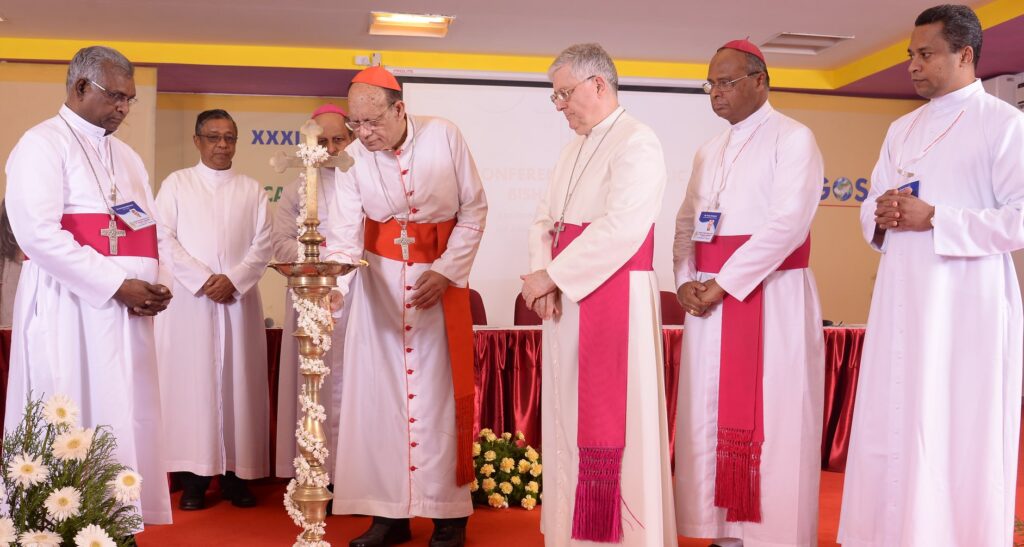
559,228
111,232
404,240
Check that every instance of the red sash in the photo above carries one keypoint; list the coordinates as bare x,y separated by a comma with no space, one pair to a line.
740,394
85,228
431,242
603,372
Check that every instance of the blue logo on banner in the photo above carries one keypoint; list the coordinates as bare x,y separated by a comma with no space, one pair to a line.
842,189
276,137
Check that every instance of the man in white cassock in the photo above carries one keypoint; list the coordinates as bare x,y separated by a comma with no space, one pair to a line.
933,451
751,373
413,207
606,451
211,344
83,322
335,138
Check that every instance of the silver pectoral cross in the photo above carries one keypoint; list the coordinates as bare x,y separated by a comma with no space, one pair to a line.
559,228
111,232
404,240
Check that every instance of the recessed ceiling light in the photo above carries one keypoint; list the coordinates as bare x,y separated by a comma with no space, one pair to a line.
800,43
409,24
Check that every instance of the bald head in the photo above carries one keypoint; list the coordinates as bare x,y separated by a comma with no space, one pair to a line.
377,116
749,88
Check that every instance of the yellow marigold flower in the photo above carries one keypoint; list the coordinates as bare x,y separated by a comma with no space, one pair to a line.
524,466
491,437
533,487
497,500
487,470
506,488
507,464
520,436
476,449
516,480
485,432
528,503
489,456
474,486
536,469
531,454
489,485
507,436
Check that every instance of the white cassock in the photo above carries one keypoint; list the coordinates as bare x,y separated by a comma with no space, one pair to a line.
396,445
771,193
620,195
213,357
286,250
933,451
70,336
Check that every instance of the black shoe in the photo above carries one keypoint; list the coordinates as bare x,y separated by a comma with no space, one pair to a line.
236,490
193,498
382,532
449,532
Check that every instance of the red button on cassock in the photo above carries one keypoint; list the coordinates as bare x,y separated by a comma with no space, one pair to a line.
408,350
412,420
409,263
412,396
414,444
408,327
413,468
408,371
408,305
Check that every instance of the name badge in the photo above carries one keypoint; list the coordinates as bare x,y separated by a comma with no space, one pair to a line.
131,214
915,188
706,226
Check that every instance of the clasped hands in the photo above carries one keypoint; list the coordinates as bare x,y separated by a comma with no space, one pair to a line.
899,210
220,289
541,294
697,297
142,298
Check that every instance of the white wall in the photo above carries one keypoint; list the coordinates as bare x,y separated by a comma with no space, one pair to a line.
515,135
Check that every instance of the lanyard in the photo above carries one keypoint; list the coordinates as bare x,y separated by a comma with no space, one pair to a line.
936,140
720,187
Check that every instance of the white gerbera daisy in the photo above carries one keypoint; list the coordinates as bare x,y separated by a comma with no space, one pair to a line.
7,533
39,538
127,486
73,445
60,409
26,470
93,536
63,503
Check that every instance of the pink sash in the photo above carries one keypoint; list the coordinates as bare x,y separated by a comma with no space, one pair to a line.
740,394
85,227
603,366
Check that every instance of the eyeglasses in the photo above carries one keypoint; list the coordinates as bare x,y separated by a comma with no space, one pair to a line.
369,125
214,139
116,98
564,94
725,86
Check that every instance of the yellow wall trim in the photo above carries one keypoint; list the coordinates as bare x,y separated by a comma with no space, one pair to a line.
36,49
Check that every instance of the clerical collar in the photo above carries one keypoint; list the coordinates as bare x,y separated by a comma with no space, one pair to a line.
954,99
214,174
606,123
755,119
410,130
81,124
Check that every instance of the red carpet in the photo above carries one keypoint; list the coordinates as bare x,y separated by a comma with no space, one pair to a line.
268,525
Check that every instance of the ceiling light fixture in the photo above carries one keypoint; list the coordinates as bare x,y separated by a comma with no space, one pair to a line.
801,43
409,24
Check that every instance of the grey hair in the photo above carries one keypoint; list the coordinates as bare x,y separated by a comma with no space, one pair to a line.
89,63
586,60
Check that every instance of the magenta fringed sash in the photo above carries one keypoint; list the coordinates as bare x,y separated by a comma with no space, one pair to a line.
740,394
603,362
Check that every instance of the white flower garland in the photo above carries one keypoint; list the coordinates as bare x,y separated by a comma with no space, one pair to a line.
314,319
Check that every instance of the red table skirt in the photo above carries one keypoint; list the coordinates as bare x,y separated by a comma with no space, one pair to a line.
508,383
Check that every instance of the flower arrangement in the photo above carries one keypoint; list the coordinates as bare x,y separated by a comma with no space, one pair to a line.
508,471
62,483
